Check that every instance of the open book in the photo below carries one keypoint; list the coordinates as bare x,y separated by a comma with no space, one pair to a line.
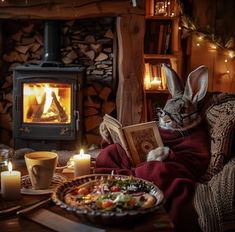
137,140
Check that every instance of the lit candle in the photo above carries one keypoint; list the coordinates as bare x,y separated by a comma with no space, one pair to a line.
82,164
156,83
10,183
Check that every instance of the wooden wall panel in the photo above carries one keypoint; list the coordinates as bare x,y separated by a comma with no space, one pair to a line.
130,28
62,9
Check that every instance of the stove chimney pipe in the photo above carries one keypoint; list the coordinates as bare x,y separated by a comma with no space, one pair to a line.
51,55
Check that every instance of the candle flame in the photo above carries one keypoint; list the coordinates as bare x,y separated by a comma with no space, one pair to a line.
81,152
10,167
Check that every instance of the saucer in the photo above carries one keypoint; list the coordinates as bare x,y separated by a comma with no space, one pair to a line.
27,189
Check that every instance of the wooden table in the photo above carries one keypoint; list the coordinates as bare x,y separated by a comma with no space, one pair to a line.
158,221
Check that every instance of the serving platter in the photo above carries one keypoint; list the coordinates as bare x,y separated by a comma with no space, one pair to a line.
103,216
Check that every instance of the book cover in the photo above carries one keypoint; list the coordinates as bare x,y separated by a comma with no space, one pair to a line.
154,36
137,140
141,139
164,37
151,7
168,40
147,8
160,40
147,38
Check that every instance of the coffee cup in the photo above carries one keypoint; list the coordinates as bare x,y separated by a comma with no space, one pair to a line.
41,167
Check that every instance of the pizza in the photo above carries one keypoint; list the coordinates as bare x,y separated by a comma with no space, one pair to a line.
111,193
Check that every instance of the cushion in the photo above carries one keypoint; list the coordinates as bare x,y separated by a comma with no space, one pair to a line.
220,118
215,201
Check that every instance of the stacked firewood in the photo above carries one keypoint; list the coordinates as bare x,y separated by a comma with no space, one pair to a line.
85,44
98,102
28,46
90,44
23,45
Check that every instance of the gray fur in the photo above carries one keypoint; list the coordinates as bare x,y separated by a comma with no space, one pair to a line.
180,112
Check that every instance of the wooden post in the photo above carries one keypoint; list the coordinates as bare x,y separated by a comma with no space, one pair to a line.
130,28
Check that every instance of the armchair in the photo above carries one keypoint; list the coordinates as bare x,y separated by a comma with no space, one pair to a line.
214,198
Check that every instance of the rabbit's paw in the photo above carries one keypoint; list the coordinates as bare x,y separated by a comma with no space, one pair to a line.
160,153
105,133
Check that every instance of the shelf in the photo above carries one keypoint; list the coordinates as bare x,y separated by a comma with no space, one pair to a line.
160,17
161,45
160,56
156,91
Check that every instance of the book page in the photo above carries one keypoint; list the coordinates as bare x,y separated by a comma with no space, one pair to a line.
114,121
115,129
141,139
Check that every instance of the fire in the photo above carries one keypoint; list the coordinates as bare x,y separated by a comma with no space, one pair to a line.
46,103
49,99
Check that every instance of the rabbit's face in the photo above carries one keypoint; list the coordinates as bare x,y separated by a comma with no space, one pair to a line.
178,114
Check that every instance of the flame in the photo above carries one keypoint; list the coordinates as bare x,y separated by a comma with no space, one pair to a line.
10,167
39,102
49,98
81,152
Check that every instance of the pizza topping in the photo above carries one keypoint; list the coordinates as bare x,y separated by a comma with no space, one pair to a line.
111,194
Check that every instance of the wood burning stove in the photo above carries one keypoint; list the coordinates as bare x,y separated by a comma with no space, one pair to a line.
48,99
47,107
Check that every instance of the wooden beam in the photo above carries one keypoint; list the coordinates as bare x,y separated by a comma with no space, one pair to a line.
130,31
67,10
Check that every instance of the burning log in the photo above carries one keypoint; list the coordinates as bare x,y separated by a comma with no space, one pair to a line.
62,114
59,113
38,115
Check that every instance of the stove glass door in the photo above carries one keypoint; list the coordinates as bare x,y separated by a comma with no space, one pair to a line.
47,103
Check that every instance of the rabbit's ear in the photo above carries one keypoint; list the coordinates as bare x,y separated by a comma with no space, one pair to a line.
174,83
196,85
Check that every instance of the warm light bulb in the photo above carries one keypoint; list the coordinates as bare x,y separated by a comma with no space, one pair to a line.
225,60
198,44
200,37
179,28
230,54
227,71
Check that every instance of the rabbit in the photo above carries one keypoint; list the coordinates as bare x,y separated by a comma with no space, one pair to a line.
180,112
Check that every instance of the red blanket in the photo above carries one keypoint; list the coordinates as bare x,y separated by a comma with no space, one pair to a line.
176,176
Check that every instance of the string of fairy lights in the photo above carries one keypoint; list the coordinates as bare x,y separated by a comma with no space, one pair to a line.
215,44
